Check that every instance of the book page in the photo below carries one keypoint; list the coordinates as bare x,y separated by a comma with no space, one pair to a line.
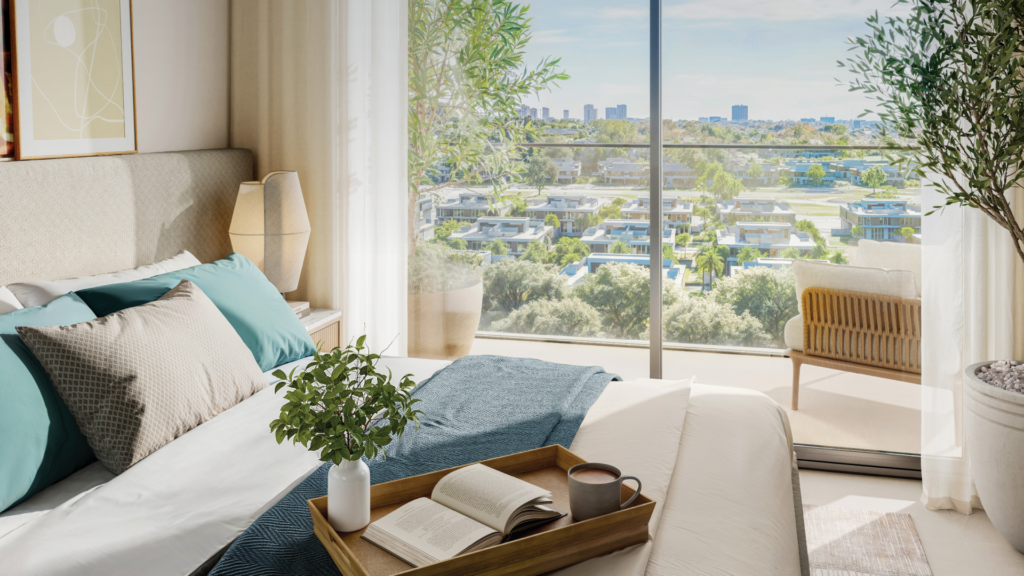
432,528
485,494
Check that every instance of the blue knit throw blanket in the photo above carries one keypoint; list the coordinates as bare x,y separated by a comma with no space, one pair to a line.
477,408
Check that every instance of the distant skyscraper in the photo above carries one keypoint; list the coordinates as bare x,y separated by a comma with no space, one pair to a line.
620,112
858,124
565,114
545,113
828,119
702,119
716,119
533,113
589,113
808,120
739,112
611,113
524,111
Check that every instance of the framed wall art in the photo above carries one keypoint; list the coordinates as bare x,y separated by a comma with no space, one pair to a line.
74,80
6,85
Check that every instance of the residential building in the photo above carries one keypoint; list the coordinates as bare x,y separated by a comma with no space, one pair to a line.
678,175
468,207
635,233
568,169
589,112
611,113
516,232
881,219
577,271
533,113
717,119
828,119
545,114
524,111
623,171
674,212
425,216
739,112
565,114
797,171
808,120
620,112
756,210
775,263
854,169
770,237
568,210
703,119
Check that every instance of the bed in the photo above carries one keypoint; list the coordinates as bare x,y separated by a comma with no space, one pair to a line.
719,460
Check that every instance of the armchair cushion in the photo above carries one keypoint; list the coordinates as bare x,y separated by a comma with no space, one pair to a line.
898,283
794,333
891,256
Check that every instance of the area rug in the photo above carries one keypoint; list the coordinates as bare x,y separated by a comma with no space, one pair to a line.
849,542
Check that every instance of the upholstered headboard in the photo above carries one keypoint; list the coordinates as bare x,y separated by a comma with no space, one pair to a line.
83,216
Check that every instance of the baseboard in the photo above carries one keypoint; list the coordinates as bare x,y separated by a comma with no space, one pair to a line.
892,464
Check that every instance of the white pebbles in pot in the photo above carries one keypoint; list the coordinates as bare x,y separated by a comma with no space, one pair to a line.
1005,374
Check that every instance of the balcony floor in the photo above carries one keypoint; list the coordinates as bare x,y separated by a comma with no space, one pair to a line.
837,409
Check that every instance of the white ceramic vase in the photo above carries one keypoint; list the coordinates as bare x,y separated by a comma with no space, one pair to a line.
994,420
348,496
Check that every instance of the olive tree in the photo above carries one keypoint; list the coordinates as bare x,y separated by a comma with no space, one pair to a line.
946,77
467,77
512,282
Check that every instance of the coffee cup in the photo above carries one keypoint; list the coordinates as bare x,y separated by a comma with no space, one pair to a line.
595,490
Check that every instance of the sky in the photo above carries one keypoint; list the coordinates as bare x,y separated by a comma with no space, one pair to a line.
776,56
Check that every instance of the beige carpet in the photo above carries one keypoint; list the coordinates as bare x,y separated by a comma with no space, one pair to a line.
848,542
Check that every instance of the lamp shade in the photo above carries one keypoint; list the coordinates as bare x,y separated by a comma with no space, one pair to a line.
270,227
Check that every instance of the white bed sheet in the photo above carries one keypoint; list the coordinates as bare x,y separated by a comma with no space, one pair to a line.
184,503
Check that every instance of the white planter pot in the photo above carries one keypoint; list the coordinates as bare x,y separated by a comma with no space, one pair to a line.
994,420
443,325
348,496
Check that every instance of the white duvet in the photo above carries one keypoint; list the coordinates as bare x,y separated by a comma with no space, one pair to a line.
717,460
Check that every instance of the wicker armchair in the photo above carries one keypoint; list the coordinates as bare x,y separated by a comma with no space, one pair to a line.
860,333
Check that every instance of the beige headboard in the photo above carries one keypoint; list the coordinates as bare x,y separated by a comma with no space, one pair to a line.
82,216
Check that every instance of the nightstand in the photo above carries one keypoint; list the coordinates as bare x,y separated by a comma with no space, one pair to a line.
324,325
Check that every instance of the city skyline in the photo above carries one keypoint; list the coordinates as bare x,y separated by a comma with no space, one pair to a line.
776,56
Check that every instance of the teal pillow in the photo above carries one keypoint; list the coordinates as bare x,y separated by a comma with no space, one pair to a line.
40,443
266,323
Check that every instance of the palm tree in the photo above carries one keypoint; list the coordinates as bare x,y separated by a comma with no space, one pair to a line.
620,247
709,261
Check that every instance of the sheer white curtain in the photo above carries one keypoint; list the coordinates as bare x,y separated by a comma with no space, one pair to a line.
969,267
321,88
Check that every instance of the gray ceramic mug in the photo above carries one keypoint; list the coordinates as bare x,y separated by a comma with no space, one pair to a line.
590,500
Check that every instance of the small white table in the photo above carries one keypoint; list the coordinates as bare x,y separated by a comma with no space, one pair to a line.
324,326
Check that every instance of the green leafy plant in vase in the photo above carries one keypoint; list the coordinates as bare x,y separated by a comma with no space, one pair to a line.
341,406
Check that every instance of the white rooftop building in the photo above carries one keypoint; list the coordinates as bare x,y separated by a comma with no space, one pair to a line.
623,171
635,233
673,210
568,209
771,237
568,169
756,210
516,232
468,207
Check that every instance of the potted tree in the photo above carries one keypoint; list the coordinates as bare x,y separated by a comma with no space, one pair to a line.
445,301
341,406
947,79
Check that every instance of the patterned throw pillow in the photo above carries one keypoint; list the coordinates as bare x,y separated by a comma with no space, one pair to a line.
139,378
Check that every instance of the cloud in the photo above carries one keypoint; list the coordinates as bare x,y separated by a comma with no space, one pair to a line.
552,37
769,10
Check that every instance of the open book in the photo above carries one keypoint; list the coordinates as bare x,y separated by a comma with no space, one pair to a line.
470,509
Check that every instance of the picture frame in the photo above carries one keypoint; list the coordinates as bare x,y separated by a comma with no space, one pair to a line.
74,78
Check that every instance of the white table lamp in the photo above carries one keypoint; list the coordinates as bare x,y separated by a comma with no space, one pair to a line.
271,228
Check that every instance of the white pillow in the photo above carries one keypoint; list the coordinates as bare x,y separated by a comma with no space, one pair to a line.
38,293
891,256
898,283
8,302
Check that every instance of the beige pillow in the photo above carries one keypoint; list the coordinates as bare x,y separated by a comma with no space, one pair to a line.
891,256
141,377
899,283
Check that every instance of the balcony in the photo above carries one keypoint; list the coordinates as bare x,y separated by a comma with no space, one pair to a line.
837,409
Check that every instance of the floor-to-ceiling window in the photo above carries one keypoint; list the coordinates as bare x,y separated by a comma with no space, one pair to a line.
551,194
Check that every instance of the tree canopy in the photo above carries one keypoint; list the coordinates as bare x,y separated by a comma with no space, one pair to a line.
621,293
512,282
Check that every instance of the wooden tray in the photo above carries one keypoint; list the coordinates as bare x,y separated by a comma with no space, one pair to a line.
554,545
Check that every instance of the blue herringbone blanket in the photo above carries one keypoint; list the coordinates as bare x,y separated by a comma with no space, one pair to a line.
477,408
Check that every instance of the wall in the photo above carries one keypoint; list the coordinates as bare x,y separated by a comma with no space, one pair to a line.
181,73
